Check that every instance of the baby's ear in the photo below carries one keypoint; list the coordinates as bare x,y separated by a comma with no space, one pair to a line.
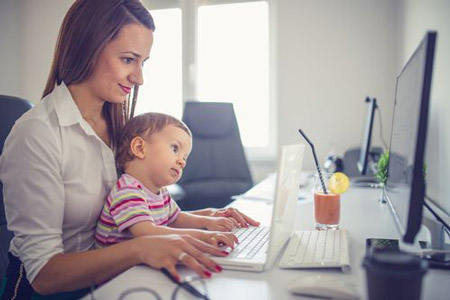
137,147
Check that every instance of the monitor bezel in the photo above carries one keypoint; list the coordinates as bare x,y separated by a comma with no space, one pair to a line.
417,193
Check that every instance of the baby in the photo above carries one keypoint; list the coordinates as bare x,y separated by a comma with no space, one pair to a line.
152,154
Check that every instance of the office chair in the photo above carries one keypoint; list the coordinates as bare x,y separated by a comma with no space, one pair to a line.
11,108
217,167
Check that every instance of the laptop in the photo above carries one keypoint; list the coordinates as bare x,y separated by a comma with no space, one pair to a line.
260,253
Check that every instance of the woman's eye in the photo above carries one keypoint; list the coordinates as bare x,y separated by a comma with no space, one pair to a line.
127,60
174,148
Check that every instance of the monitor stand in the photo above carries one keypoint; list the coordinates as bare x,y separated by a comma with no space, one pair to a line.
436,229
369,180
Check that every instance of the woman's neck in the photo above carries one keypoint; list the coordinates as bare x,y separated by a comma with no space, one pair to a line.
90,106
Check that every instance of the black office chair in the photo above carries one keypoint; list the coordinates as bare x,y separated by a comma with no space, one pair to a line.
11,108
217,167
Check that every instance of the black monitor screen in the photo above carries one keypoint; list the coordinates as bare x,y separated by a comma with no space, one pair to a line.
405,185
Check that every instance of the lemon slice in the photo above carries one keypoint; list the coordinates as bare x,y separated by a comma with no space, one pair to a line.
338,183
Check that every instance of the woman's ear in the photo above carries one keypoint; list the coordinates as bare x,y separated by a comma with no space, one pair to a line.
137,147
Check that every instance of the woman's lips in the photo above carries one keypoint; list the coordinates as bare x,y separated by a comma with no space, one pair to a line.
125,89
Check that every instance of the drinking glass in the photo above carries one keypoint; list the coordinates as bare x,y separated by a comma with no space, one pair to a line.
327,206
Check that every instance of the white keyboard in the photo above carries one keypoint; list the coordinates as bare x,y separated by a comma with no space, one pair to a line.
317,249
251,241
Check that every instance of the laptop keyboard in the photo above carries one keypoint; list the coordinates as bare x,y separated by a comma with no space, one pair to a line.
251,240
317,249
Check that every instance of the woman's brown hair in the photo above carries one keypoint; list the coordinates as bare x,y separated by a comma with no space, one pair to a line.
88,27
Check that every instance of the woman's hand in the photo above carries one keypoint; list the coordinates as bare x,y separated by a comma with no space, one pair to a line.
165,251
232,213
219,238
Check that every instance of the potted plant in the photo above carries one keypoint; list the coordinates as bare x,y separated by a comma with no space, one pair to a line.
382,169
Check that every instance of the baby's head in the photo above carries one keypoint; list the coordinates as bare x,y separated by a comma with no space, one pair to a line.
156,144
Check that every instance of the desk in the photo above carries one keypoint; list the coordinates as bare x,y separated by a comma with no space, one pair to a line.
361,214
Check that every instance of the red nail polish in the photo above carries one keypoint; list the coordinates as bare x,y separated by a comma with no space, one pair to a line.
177,278
208,274
225,252
219,268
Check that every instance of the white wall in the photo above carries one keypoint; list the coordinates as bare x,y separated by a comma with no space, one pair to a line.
42,20
331,55
28,31
10,64
418,17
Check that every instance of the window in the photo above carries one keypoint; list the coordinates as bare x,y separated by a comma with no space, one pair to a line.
162,88
213,50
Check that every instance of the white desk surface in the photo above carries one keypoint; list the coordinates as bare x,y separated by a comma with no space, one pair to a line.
361,214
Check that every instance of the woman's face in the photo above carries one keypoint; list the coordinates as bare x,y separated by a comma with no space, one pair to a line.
119,65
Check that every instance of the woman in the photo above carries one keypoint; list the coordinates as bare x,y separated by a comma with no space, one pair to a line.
58,161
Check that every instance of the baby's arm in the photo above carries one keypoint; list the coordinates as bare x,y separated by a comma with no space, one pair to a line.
241,219
189,220
150,228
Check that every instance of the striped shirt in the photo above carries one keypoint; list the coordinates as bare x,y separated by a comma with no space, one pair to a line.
128,203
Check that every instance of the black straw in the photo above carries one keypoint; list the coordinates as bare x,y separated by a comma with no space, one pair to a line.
315,160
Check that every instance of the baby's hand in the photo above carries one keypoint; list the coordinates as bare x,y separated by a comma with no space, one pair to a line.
241,219
220,238
220,224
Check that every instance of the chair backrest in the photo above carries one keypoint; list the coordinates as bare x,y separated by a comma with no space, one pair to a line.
11,108
217,167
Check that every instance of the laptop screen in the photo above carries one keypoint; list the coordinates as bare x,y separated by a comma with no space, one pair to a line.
286,195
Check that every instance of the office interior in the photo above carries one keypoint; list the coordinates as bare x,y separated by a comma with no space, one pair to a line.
326,57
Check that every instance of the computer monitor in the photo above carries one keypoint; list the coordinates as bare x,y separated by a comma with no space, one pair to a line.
405,187
365,156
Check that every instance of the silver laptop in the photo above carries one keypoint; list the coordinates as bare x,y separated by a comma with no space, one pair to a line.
259,246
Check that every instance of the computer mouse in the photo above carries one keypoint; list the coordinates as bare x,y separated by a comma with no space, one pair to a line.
323,286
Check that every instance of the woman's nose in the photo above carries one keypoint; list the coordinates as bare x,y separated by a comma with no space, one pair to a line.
137,77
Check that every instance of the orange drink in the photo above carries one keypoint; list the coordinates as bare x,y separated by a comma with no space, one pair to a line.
327,210
327,199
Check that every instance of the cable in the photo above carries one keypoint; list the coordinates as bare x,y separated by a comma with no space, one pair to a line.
381,129
446,227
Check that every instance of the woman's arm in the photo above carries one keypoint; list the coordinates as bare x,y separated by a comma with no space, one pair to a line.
67,272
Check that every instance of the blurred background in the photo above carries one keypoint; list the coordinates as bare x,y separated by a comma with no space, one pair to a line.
284,64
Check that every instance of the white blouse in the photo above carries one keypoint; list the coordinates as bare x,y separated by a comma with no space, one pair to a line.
56,173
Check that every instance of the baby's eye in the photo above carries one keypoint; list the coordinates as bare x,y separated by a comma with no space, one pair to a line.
174,148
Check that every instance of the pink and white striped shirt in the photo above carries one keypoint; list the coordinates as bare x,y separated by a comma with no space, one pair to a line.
128,203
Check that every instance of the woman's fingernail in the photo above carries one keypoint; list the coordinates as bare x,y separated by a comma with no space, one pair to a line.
225,252
208,274
219,268
177,278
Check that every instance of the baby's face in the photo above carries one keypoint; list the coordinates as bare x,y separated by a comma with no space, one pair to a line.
166,155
